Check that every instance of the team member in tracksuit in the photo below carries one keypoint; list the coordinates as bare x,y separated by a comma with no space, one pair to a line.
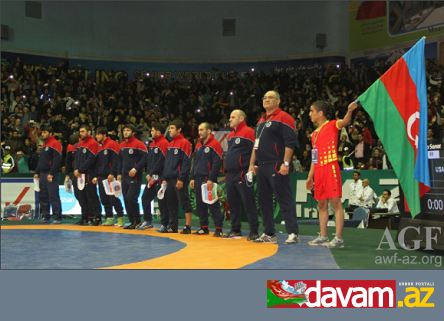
237,161
84,163
156,160
107,163
48,169
207,162
133,157
71,151
275,141
176,176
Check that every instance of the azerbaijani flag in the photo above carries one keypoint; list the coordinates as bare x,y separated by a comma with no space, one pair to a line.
397,104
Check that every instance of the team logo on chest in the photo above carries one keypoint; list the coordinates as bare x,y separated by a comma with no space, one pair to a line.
105,152
84,150
237,141
47,148
268,124
207,149
156,150
176,151
131,151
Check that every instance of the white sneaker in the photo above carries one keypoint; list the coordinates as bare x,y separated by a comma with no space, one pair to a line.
335,243
266,239
320,240
293,239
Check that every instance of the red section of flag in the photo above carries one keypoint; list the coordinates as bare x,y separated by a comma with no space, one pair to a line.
402,91
371,10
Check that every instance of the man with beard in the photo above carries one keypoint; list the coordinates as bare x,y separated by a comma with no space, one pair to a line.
48,170
133,157
84,163
107,163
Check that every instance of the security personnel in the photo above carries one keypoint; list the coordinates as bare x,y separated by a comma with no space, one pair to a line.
207,162
133,157
237,161
48,169
275,141
176,173
107,163
8,161
156,160
84,163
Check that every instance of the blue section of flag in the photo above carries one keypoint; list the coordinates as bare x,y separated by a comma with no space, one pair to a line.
415,61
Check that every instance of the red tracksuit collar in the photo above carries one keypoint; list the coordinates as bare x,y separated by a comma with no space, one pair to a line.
159,138
180,136
210,139
277,111
131,139
240,126
50,140
87,139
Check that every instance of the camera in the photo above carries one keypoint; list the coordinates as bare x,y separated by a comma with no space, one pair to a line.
11,76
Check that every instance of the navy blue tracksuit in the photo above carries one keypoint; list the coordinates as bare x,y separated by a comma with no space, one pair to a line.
133,154
49,164
276,132
107,163
177,168
207,162
156,160
84,163
237,161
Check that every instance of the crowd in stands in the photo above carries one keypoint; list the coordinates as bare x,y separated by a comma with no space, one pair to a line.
62,97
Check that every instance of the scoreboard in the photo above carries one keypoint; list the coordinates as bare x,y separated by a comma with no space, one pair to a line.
433,201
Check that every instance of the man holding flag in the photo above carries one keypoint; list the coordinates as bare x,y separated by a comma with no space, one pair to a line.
398,100
207,162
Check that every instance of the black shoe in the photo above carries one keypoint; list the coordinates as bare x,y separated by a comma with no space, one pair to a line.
202,231
218,233
169,230
81,222
186,230
97,221
131,226
253,236
137,224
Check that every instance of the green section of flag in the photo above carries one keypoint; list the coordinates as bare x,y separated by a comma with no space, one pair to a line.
273,300
391,129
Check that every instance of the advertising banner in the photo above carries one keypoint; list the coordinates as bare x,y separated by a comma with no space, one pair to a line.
374,24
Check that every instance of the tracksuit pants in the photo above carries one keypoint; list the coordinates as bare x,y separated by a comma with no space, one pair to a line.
237,186
49,196
88,199
148,196
202,208
173,197
131,191
109,201
270,182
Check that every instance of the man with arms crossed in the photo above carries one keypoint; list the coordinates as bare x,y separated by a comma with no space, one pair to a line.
325,171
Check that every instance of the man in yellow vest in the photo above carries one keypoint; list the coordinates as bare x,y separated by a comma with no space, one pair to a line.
347,160
8,161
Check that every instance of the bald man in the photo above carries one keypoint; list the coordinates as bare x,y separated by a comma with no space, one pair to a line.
237,161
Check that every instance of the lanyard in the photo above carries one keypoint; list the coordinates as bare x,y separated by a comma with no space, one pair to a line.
269,119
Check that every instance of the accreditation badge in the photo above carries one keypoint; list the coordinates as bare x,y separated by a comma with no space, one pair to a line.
256,143
314,156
